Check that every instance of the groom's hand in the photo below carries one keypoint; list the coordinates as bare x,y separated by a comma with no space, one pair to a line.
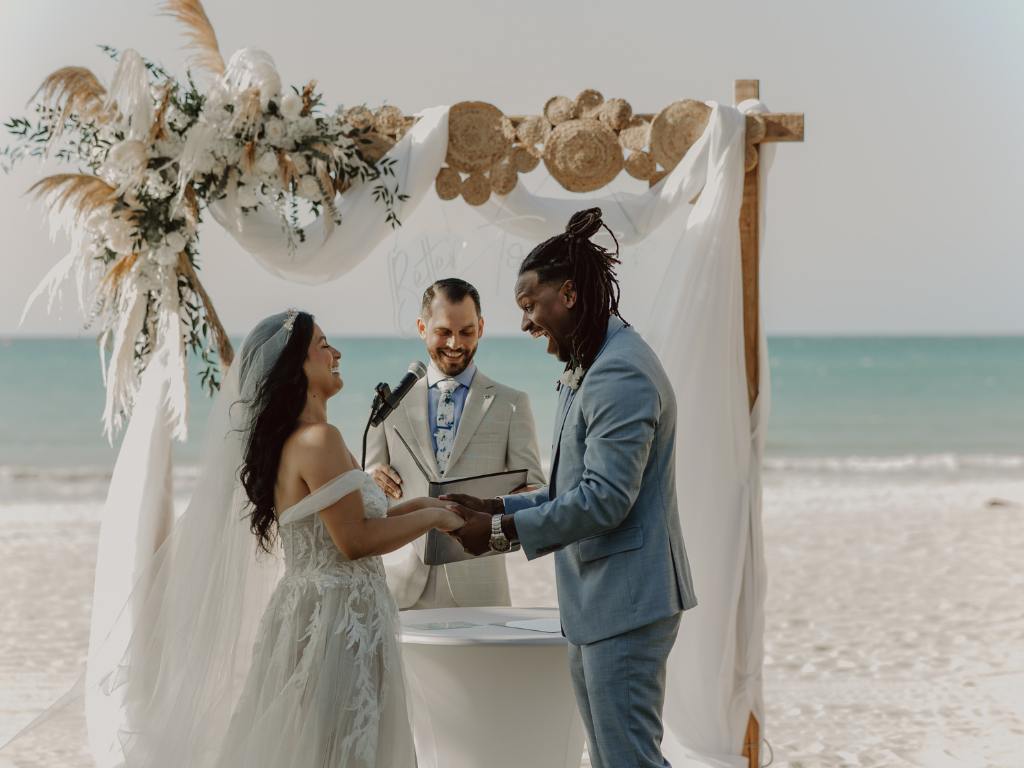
475,535
488,506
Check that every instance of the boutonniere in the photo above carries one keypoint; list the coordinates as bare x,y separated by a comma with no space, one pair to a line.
571,379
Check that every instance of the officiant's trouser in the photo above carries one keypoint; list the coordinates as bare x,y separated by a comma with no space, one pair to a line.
620,691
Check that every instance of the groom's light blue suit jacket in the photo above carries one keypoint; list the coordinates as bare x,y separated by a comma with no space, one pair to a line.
609,512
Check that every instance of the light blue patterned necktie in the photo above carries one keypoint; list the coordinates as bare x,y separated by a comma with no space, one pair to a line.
444,423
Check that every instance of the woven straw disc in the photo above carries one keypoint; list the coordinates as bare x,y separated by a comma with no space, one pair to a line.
559,109
524,160
533,130
756,129
616,113
476,136
675,129
588,103
636,134
476,189
448,184
583,155
379,145
750,159
359,117
508,130
504,176
640,165
658,176
388,120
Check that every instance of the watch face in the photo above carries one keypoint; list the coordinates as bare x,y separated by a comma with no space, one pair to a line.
500,544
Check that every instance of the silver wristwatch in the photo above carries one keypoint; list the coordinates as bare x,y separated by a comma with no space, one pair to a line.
499,541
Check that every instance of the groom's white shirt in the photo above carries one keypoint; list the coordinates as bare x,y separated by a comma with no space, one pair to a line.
495,432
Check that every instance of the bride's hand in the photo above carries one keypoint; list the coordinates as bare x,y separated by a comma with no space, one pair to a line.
447,519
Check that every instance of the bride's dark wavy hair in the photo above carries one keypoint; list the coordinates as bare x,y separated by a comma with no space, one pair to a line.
275,406
591,268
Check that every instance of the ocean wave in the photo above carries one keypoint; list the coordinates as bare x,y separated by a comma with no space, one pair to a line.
934,463
73,483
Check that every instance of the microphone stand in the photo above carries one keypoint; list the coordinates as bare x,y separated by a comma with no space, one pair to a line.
383,392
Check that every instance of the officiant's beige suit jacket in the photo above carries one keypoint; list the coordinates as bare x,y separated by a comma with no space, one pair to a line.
496,432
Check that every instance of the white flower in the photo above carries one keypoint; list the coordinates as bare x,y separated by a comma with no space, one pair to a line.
247,196
267,163
126,163
166,256
176,241
176,118
300,163
156,186
119,235
309,188
291,106
274,130
572,379
217,98
304,126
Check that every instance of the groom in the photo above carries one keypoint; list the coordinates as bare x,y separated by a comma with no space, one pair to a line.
609,513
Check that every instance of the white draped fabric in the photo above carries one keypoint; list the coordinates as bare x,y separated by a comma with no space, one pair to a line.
327,251
687,255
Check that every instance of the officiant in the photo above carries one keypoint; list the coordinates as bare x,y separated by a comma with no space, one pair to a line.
460,423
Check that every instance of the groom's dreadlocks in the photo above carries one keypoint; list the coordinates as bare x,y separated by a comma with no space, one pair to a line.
571,256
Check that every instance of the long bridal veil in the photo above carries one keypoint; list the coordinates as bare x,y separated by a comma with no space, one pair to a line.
160,686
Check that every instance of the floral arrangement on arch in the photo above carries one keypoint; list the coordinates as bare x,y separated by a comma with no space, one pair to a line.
151,153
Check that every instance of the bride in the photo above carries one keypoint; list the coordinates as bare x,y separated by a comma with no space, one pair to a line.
325,684
225,657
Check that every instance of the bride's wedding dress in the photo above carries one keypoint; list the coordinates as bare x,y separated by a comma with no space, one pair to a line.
222,656
325,685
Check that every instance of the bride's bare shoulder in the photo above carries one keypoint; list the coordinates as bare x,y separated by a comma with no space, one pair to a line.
319,436
318,451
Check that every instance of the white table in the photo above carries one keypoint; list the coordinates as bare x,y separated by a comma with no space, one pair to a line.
489,695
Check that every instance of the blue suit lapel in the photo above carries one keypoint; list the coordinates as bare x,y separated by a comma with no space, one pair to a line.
566,395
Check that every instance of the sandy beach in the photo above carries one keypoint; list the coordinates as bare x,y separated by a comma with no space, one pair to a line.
895,618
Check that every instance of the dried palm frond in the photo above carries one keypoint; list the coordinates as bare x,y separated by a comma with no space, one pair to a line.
247,112
120,268
309,99
190,204
286,169
72,89
248,158
157,131
82,192
199,31
327,188
220,336
109,287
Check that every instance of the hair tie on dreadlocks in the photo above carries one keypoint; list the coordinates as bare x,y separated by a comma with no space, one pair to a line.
572,256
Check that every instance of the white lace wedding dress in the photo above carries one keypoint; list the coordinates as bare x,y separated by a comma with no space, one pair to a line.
325,687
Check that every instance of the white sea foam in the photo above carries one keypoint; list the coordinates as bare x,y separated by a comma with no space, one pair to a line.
935,463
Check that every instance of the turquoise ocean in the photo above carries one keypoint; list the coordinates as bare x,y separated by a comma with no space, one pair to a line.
872,406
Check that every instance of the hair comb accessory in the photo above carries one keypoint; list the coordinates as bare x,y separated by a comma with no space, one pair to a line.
289,319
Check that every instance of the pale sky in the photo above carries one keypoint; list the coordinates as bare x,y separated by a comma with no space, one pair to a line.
898,214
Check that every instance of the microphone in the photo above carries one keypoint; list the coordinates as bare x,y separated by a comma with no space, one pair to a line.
388,399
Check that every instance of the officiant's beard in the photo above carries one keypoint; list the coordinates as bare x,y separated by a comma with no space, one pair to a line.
451,367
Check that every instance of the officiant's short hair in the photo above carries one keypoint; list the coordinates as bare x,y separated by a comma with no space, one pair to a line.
453,289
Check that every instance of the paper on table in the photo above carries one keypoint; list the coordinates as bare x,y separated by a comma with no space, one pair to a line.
553,626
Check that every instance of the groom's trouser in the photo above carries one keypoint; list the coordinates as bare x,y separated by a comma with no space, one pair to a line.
620,691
